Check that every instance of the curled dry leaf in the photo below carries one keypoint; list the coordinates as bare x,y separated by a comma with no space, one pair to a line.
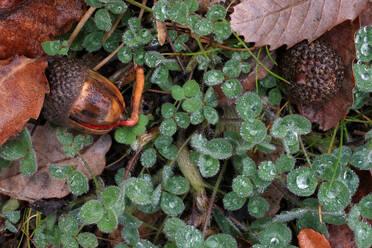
329,113
161,27
23,85
42,185
277,23
309,238
24,25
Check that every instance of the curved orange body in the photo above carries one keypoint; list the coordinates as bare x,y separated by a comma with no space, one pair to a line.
100,106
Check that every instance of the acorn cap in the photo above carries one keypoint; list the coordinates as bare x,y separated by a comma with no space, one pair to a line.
66,77
314,70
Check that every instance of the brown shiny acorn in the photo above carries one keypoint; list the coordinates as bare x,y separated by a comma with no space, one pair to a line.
83,99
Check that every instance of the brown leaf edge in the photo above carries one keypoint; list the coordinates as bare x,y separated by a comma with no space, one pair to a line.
42,185
23,86
308,238
330,113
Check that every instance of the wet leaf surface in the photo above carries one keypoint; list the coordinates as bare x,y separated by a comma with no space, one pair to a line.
23,86
289,22
42,185
309,238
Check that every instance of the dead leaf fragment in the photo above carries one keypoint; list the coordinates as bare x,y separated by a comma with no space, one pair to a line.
24,25
281,22
309,238
42,185
161,27
23,85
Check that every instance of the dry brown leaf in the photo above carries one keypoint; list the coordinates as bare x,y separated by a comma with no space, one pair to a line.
280,22
309,238
48,150
23,85
161,27
366,15
24,25
328,114
273,196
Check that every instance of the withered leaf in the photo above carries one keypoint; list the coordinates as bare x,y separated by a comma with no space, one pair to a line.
23,85
24,25
276,23
161,27
309,238
42,185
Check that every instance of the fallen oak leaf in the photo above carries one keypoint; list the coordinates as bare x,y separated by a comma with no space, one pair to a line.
23,87
277,23
25,25
41,185
308,238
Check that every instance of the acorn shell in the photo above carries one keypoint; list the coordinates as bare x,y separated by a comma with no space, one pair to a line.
81,98
314,70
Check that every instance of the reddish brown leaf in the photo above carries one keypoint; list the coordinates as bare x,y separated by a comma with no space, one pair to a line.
10,3
366,16
281,22
328,114
23,85
24,25
341,236
49,151
309,238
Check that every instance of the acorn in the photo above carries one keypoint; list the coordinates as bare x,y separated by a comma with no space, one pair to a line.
314,71
83,99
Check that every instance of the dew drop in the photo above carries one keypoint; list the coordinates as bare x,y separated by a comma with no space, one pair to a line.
274,241
302,182
365,49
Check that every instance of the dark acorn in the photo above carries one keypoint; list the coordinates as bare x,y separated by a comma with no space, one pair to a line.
314,71
83,99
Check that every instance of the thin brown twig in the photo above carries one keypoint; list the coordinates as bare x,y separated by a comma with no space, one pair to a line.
159,91
213,197
142,10
105,60
112,28
131,163
240,225
80,25
177,57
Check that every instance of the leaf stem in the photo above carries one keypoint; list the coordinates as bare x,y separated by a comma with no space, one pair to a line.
213,197
338,160
140,5
257,60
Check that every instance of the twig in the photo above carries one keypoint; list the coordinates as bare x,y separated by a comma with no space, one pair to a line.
142,10
112,28
105,60
177,57
211,201
80,25
159,91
